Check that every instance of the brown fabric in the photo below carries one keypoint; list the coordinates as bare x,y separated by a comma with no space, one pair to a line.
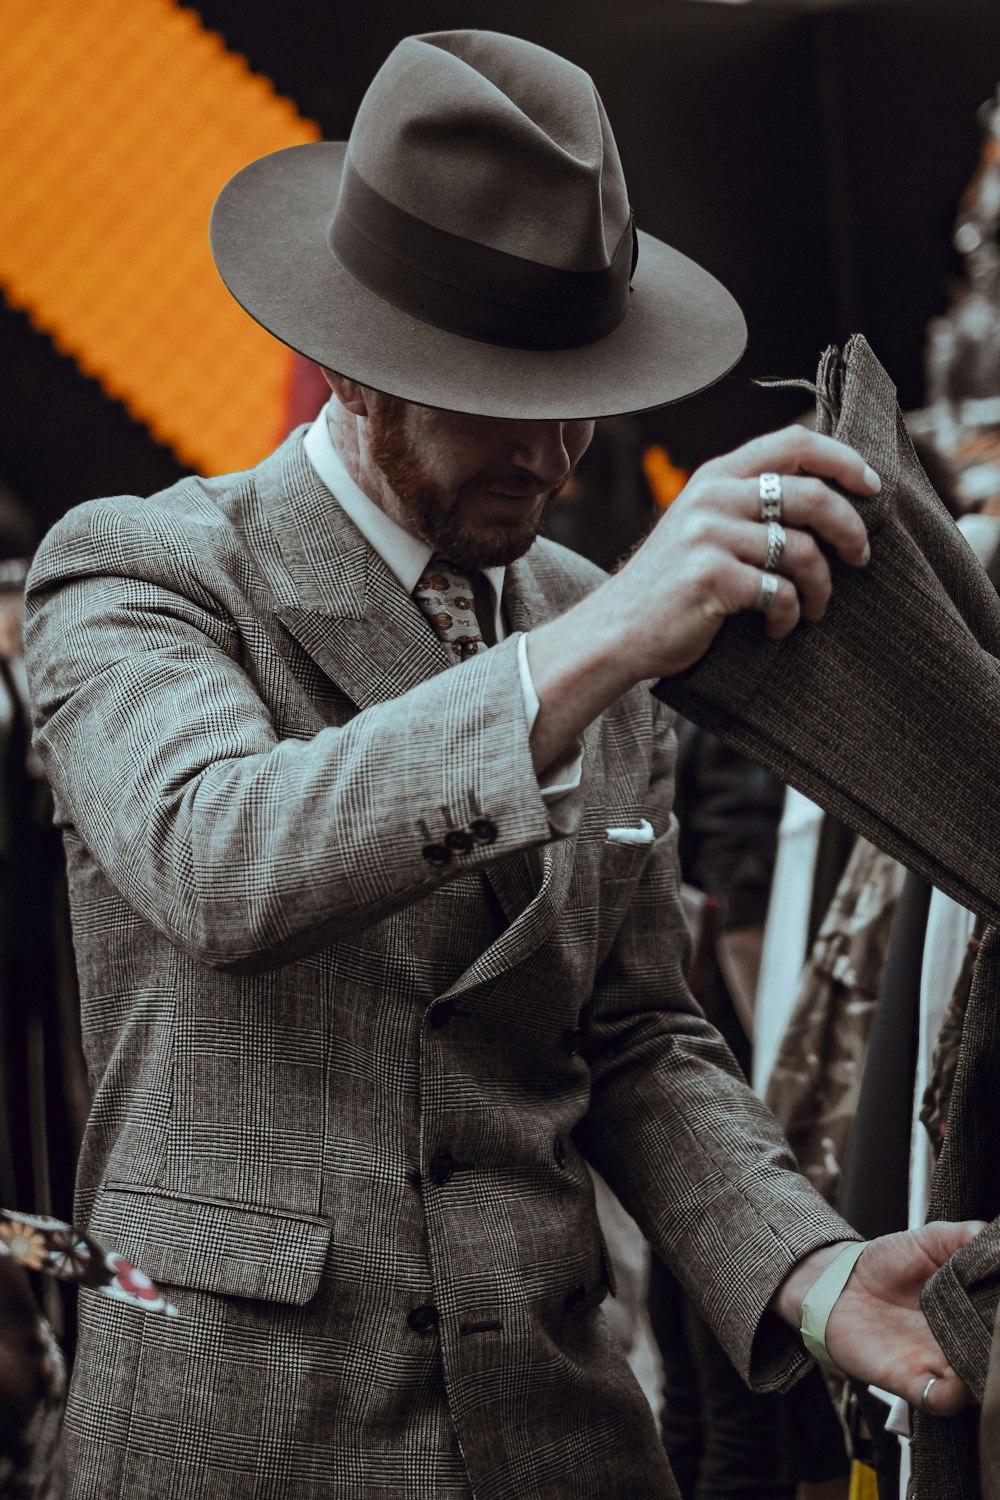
852,711
989,1433
886,713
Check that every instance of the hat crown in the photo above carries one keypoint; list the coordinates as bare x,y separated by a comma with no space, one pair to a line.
498,141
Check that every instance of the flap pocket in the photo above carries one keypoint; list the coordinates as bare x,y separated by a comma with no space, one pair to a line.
213,1246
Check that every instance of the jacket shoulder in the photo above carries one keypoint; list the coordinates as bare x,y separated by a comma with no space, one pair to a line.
562,573
162,538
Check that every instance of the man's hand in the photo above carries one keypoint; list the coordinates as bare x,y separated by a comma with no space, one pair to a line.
876,1331
703,561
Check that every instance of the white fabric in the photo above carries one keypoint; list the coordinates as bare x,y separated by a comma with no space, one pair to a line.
407,556
786,931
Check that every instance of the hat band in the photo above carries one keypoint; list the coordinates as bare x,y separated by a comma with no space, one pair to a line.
442,278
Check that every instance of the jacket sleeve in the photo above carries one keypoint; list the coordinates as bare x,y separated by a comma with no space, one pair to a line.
244,846
694,1155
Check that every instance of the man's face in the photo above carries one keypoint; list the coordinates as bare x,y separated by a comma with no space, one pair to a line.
475,488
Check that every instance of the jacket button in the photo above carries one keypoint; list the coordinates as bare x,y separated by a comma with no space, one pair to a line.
573,1040
436,854
484,829
459,840
559,1151
442,1014
442,1167
423,1319
574,1299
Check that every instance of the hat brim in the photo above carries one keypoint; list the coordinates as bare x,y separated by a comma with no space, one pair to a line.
683,330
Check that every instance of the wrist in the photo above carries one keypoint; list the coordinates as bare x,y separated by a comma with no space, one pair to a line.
790,1295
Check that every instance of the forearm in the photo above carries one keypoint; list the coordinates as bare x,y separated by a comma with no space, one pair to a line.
578,669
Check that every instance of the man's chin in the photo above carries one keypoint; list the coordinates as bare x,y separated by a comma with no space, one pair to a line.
492,547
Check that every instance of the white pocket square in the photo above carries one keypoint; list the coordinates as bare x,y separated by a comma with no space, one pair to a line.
641,835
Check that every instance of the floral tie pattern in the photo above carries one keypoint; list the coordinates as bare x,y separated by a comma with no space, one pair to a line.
446,595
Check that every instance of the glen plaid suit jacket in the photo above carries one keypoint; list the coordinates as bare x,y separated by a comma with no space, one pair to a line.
337,1110
887,713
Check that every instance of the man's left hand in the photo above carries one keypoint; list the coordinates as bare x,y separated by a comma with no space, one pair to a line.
876,1331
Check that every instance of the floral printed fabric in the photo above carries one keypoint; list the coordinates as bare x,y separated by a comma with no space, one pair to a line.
57,1249
446,595
814,1085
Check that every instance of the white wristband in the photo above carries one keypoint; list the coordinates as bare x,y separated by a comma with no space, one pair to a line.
817,1304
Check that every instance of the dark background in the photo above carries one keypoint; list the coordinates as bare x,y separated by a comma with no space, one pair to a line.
810,156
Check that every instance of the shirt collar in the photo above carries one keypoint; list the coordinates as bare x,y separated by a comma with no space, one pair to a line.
403,553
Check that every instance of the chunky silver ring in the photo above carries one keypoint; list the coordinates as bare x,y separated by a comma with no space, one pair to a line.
768,593
926,1392
777,539
769,489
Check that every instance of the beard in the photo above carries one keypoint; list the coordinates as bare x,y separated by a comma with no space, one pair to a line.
437,514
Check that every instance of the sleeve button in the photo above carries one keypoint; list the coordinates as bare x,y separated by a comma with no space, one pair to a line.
459,840
484,829
436,854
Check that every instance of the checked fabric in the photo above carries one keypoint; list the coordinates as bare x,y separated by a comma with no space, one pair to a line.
456,602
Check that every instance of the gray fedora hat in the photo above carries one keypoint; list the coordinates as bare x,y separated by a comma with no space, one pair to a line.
471,246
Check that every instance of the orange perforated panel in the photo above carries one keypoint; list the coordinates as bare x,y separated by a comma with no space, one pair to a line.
120,122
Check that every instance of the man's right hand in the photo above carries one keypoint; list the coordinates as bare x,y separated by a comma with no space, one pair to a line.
703,561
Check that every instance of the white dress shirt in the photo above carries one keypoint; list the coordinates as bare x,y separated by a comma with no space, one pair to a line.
407,557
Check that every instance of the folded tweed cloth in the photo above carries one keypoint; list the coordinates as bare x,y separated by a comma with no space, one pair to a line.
887,713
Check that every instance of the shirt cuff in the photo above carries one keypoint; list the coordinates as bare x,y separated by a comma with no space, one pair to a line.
564,775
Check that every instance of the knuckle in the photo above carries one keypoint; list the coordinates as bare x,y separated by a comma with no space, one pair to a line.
817,495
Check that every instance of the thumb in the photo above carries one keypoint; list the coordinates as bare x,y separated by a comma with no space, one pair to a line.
941,1239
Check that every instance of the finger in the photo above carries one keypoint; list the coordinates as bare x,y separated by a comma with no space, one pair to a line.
802,562
806,502
785,610
941,1238
946,1396
798,450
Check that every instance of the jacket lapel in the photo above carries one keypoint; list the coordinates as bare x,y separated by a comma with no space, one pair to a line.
336,596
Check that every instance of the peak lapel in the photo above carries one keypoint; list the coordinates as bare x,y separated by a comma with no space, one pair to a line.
337,597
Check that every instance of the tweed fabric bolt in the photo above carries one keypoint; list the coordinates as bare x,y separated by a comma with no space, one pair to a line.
336,1114
886,713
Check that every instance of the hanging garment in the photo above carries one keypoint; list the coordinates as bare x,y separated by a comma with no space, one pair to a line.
816,1079
874,1194
944,1063
887,714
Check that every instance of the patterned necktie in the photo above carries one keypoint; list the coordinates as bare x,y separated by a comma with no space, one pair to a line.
458,604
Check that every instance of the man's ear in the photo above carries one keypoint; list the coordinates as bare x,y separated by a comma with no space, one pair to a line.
352,396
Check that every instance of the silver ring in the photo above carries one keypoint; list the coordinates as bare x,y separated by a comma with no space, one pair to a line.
768,593
777,539
925,1393
769,489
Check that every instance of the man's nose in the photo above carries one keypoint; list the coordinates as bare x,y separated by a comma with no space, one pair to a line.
541,448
